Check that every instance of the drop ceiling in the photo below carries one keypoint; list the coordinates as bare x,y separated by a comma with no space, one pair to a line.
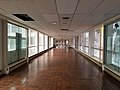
83,14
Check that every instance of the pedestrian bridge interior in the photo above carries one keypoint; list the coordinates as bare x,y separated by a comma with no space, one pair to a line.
59,45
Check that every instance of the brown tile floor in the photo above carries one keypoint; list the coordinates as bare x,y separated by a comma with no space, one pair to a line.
59,69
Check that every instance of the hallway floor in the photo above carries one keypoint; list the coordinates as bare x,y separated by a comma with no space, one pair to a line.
59,69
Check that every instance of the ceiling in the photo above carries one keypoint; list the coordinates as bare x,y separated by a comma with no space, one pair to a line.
82,14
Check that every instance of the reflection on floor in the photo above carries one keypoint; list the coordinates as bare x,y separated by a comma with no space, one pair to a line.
59,69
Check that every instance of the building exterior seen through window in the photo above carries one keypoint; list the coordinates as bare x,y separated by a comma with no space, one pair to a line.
17,43
32,42
112,45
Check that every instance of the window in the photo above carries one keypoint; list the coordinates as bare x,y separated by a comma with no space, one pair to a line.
41,42
11,44
32,42
112,45
86,41
96,47
32,38
17,43
46,42
81,42
51,42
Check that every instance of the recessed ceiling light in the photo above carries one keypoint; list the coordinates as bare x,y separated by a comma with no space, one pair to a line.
54,23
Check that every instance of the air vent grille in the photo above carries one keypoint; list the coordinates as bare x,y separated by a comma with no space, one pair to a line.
24,17
65,18
64,29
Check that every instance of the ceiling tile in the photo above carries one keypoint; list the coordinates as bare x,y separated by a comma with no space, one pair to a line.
73,27
79,18
51,17
94,18
75,23
87,6
64,26
8,7
88,14
45,6
107,6
64,8
2,11
115,11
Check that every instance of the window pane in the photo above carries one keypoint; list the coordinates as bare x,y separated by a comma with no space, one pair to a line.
112,54
10,30
41,42
51,42
17,43
32,38
33,42
32,51
97,39
46,42
96,53
41,48
11,44
41,36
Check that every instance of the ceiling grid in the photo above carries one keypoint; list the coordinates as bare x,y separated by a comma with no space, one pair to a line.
53,15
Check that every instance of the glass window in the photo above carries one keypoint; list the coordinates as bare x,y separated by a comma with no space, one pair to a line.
96,47
32,38
112,46
51,42
97,39
81,42
90,43
46,42
96,53
24,43
86,42
32,42
87,38
17,43
10,31
11,44
41,42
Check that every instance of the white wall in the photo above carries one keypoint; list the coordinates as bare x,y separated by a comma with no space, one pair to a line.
72,42
0,45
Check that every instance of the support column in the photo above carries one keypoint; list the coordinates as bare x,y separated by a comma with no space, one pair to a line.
37,42
1,63
5,47
27,51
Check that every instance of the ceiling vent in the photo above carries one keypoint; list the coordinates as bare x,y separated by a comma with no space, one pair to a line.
24,17
65,18
64,29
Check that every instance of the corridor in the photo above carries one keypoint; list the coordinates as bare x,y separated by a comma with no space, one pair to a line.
59,69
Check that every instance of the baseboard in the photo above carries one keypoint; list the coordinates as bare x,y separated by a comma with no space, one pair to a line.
20,63
15,66
114,74
89,57
38,54
1,72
